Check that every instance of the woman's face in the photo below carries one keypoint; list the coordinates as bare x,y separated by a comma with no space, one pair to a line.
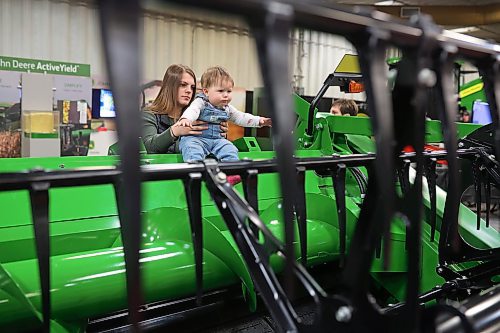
186,90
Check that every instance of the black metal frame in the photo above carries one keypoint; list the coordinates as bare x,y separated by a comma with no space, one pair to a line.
333,79
224,195
350,309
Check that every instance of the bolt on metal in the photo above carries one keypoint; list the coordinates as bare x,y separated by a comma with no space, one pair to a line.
221,177
343,314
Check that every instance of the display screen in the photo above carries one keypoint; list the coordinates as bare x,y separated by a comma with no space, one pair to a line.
106,104
481,113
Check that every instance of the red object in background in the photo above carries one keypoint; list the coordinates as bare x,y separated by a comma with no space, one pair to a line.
409,149
234,179
356,87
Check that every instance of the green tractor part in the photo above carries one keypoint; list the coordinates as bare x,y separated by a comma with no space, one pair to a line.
88,275
86,240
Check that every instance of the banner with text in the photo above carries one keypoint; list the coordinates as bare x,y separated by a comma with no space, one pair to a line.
43,66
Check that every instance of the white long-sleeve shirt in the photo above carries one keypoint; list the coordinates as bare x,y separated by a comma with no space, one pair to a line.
239,118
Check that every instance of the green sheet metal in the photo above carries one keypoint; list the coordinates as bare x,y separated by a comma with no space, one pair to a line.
88,274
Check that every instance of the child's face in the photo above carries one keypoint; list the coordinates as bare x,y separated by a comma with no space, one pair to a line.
219,95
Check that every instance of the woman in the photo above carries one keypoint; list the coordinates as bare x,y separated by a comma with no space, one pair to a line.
160,128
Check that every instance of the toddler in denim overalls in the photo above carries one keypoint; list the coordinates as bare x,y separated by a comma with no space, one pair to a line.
213,107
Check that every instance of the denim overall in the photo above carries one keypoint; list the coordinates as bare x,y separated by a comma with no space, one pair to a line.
197,147
213,116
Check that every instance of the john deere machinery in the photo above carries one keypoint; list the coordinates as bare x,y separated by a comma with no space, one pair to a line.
336,220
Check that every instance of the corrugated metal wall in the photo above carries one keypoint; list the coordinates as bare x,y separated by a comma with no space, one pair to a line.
51,30
314,56
69,31
199,43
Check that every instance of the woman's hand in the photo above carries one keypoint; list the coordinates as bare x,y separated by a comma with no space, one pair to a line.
196,128
184,122
224,128
265,122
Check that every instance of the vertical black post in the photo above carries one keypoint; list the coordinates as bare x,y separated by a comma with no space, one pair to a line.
379,203
301,212
120,32
271,31
489,70
449,240
39,196
339,187
235,211
487,194
404,180
250,183
192,187
431,184
476,171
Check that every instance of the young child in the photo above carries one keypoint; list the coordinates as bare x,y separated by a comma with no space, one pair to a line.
212,106
344,107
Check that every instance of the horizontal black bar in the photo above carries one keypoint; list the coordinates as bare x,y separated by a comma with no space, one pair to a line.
58,178
333,18
153,172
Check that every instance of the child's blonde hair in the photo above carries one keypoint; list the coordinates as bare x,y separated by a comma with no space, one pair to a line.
215,75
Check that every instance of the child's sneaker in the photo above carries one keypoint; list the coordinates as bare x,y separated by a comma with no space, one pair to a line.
234,179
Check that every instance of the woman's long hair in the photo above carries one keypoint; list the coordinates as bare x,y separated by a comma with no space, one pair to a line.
166,101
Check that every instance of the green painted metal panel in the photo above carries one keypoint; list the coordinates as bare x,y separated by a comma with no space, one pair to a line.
87,260
471,92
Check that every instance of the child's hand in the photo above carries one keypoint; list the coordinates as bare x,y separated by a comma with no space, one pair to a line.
265,122
185,122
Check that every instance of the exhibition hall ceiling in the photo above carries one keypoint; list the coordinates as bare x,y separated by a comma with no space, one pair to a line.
478,18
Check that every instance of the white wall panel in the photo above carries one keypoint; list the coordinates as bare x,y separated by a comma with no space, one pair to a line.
51,30
69,31
321,54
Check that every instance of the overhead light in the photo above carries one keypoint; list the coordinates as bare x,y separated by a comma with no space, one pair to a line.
388,3
465,30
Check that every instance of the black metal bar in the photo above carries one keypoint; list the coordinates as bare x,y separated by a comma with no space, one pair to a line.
107,175
250,182
476,314
301,213
192,187
404,176
431,184
404,180
376,213
449,237
355,272
414,79
234,211
476,171
378,247
452,248
338,176
487,188
120,33
39,196
458,282
315,101
271,31
489,69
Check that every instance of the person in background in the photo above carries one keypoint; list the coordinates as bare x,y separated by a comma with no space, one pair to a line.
344,107
212,106
199,89
463,115
161,130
